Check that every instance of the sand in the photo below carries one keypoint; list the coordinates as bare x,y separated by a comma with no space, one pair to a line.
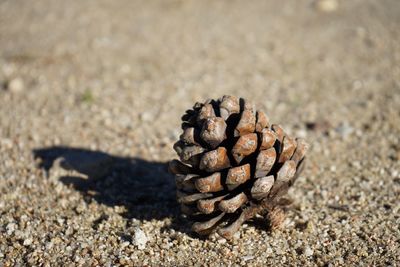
90,104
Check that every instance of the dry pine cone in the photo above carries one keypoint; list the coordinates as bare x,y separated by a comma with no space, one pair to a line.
233,164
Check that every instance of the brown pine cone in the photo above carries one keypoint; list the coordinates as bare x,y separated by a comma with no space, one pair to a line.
233,164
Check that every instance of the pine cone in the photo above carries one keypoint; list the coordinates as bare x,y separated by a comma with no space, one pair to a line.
233,164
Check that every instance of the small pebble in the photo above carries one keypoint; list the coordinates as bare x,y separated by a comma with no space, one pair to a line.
140,239
6,143
124,244
308,251
11,227
27,241
327,5
146,116
344,129
15,85
247,257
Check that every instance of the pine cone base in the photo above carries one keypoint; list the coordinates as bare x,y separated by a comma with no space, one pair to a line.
233,165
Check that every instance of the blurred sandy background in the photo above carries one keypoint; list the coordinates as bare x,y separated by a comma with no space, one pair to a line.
91,94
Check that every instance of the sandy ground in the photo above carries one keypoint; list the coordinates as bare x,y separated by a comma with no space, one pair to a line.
90,101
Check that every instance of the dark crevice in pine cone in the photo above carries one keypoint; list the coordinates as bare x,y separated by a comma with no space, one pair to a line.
233,165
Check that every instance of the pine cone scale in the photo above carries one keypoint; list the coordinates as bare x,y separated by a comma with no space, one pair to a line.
246,145
210,183
215,160
262,187
265,162
232,204
237,176
208,206
246,124
288,148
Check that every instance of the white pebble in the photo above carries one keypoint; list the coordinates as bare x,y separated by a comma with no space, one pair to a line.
6,143
357,85
140,239
27,241
236,235
11,227
146,116
327,5
16,85
308,251
124,244
221,240
345,129
247,257
301,133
